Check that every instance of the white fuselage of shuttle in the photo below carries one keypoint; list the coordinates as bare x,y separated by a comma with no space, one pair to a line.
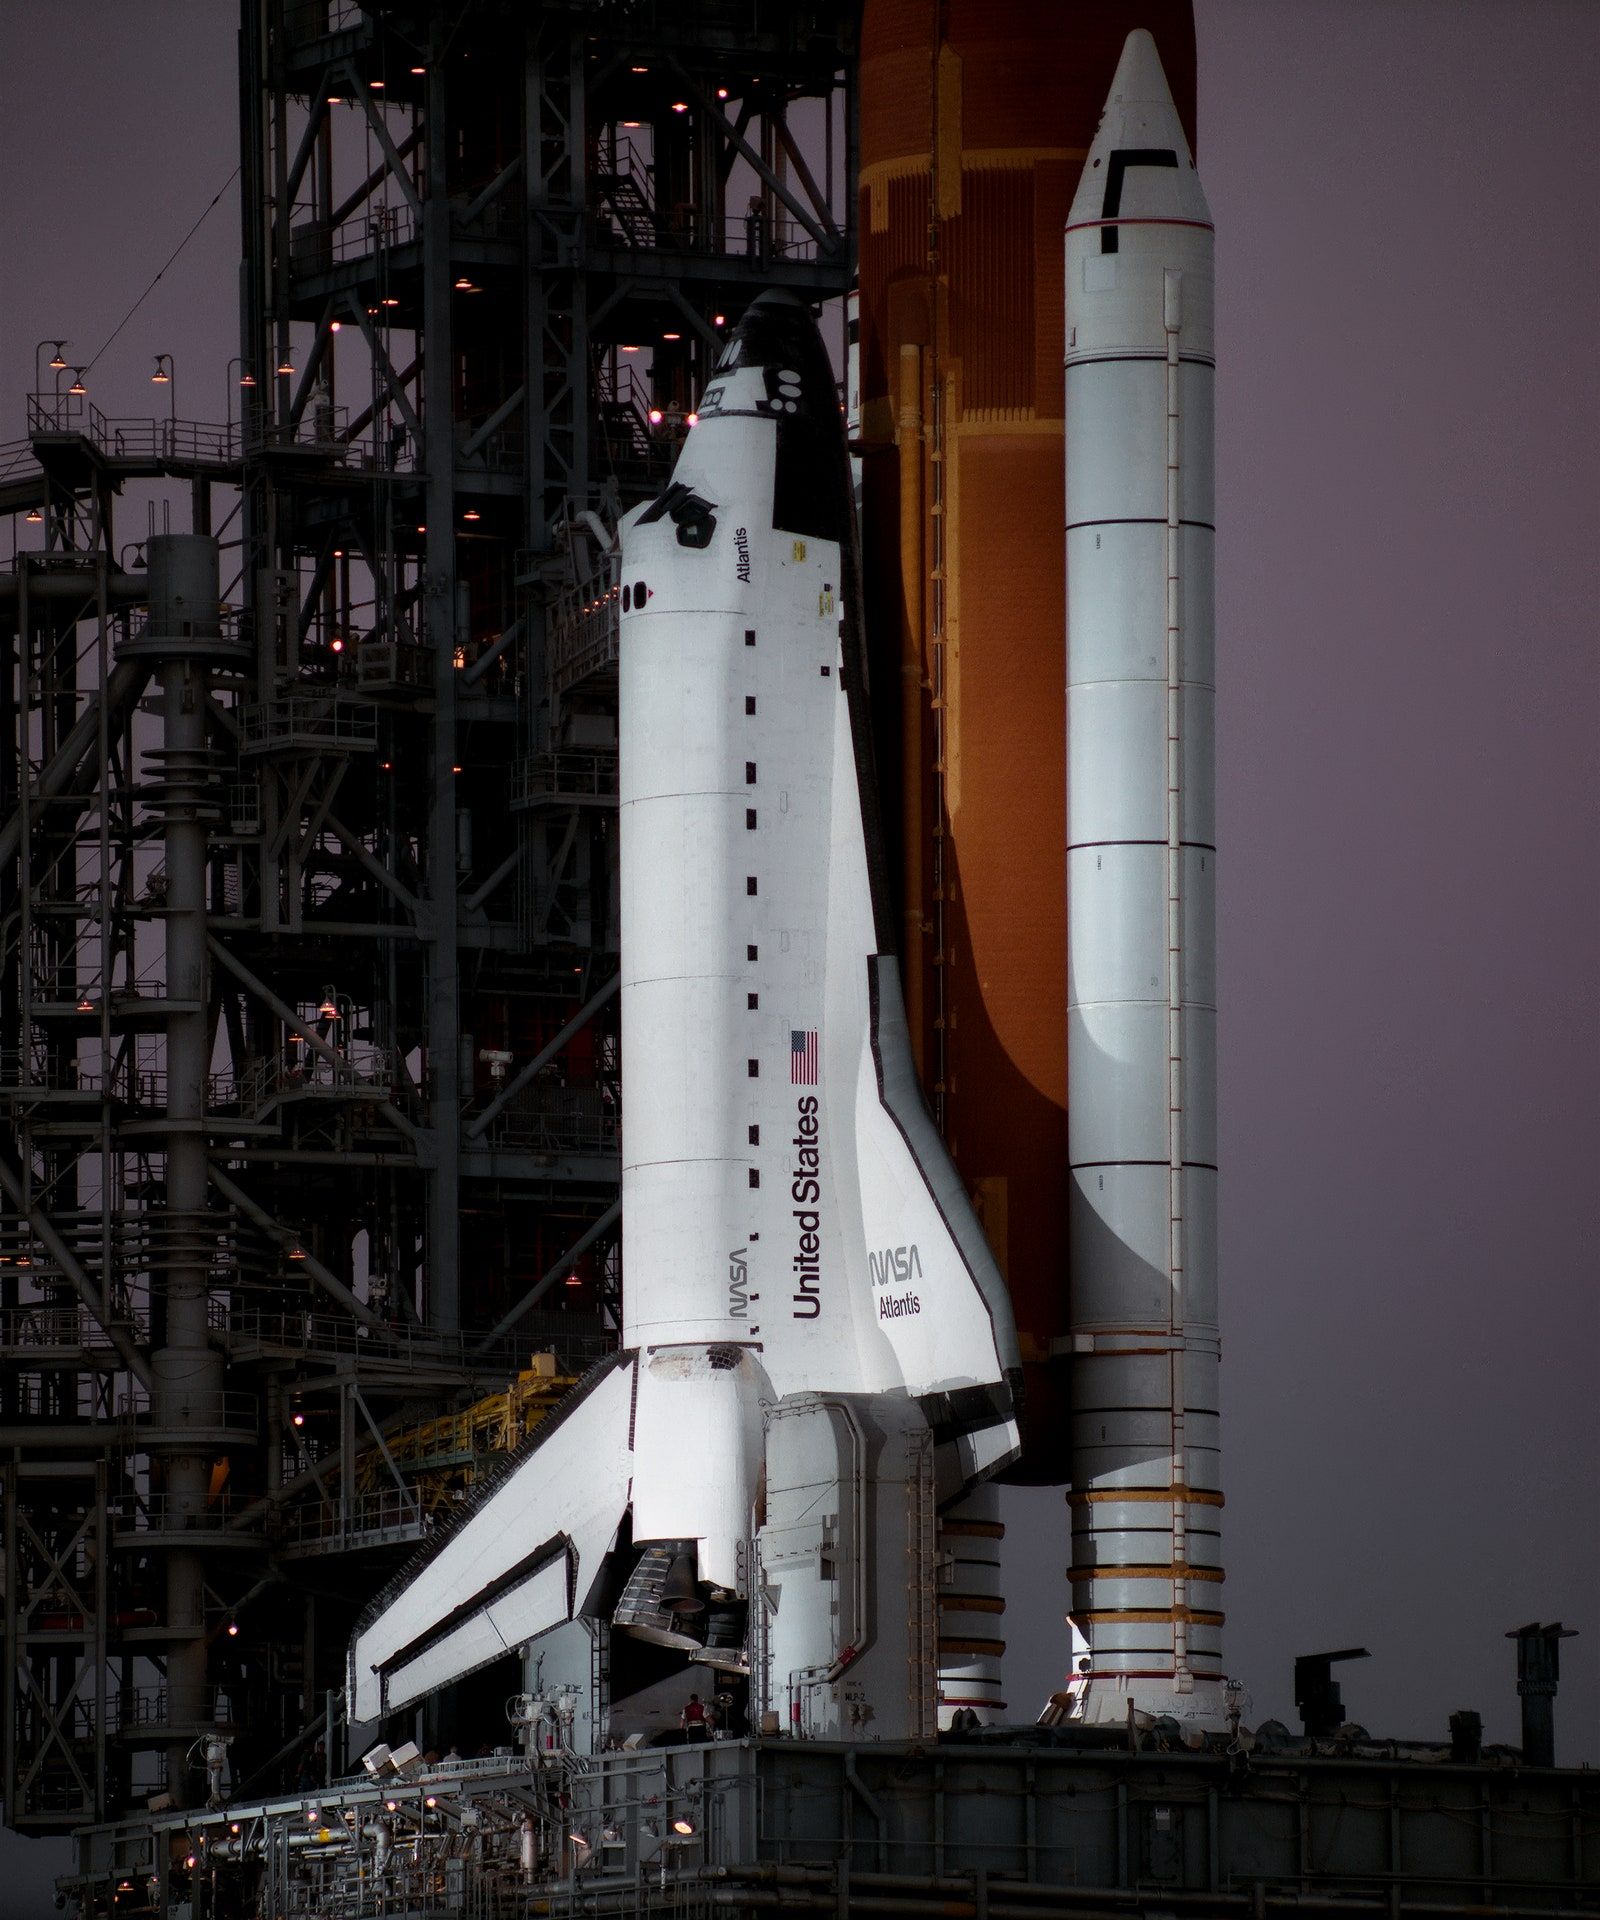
796,1239
774,1207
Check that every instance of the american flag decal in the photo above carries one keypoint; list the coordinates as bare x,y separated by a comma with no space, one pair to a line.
802,1057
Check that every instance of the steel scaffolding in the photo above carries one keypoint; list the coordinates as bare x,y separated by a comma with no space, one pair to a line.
308,1039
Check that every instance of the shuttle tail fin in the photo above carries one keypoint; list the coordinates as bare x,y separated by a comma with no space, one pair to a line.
938,1292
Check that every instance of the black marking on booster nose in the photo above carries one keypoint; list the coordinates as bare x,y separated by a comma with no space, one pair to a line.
1121,159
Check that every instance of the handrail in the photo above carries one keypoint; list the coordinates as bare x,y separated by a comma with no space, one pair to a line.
568,773
585,625
59,1326
316,1333
204,1408
316,719
165,1513
187,444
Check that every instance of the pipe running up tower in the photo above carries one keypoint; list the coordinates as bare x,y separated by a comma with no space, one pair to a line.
1141,870
183,639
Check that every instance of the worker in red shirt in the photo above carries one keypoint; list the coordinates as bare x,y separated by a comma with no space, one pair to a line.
694,1720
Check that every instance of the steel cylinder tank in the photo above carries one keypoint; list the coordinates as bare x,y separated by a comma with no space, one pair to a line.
975,120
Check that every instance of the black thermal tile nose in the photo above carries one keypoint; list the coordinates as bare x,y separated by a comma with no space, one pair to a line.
778,335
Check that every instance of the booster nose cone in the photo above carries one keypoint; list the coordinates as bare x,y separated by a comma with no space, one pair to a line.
1140,80
1139,168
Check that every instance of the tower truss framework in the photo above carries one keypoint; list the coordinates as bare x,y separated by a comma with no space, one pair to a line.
308,937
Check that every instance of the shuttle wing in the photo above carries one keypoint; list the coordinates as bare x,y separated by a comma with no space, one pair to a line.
522,1562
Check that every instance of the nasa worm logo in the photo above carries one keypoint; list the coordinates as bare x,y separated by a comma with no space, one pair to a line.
897,1266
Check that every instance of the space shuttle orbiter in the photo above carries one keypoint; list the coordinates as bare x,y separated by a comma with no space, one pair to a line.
818,1345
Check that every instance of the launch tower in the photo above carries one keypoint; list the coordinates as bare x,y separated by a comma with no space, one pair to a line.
308,1050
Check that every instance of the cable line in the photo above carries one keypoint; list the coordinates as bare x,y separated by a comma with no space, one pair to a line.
165,264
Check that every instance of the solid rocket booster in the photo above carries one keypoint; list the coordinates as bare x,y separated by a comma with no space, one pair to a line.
813,1321
1141,868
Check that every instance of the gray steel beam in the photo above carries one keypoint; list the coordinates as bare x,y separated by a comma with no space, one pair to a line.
281,1237
279,1006
287,512
39,1222
811,219
186,1365
542,1286
126,683
443,1271
547,1053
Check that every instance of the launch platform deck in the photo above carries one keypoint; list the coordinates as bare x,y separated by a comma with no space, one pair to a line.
988,1829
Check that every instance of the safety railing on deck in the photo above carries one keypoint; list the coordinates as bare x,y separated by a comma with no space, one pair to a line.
43,1400
160,1513
360,1070
24,1329
307,720
233,626
783,238
135,1709
141,441
585,625
27,1073
183,442
626,212
547,1117
317,246
309,1333
576,776
190,444
145,1089
202,1410
388,1514
577,1341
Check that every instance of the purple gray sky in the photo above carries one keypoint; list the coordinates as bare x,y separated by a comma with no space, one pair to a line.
1408,294
1409,286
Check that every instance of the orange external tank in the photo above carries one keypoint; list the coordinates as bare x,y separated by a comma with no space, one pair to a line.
974,120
